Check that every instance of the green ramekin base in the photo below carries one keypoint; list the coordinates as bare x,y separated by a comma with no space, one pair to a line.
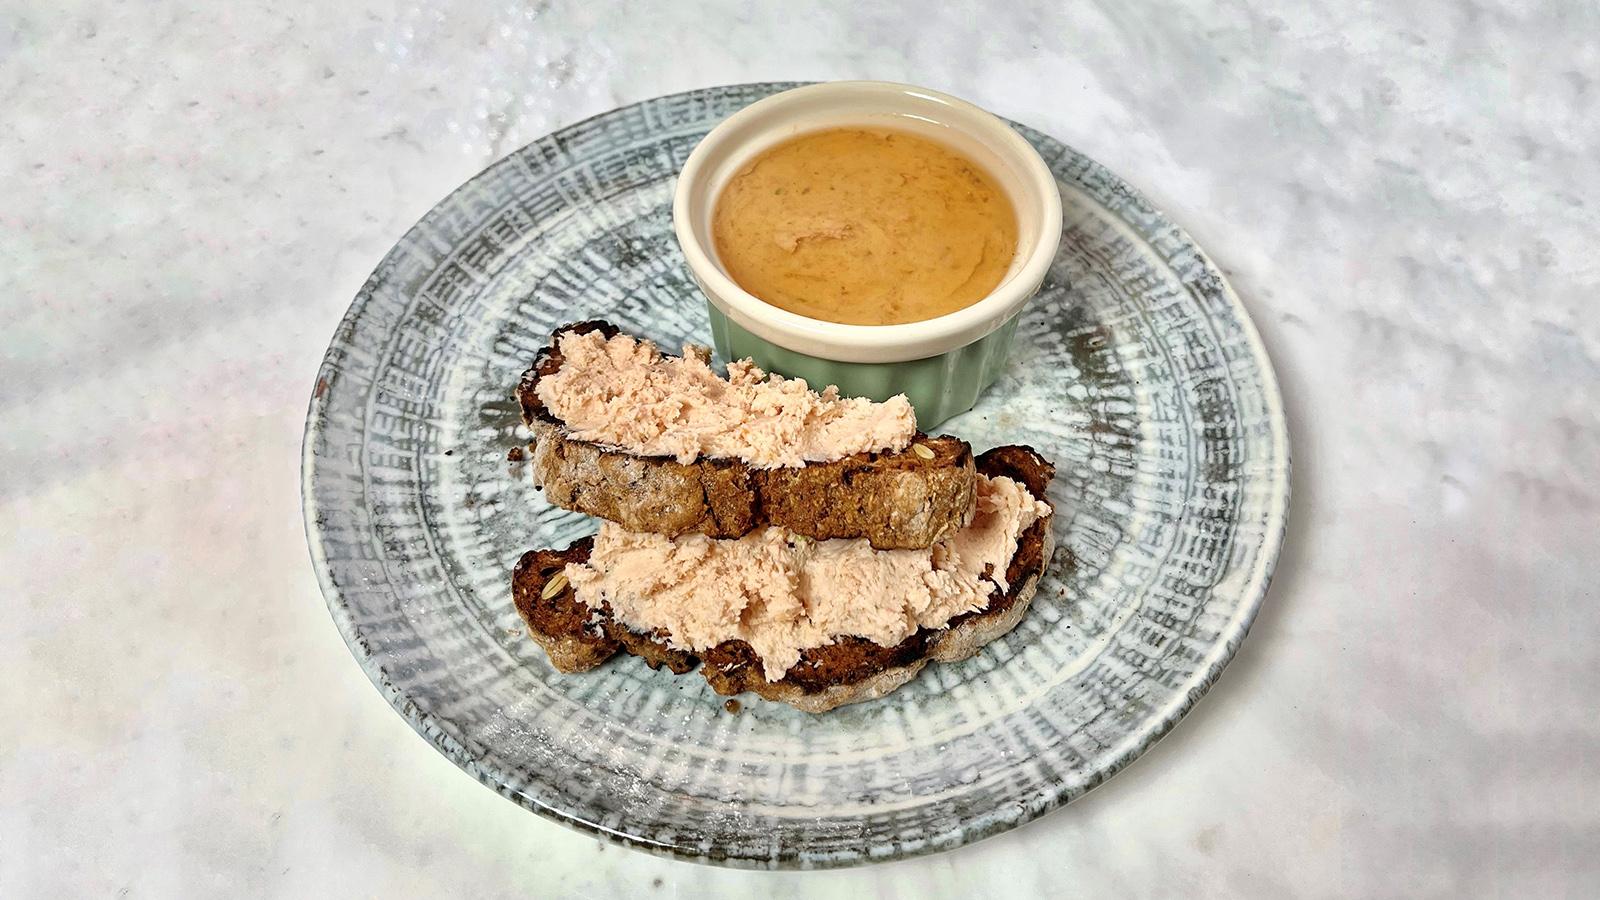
938,386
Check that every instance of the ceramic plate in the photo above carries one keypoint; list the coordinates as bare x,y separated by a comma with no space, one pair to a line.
1136,370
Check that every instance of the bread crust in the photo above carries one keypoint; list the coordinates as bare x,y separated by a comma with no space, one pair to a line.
850,670
906,500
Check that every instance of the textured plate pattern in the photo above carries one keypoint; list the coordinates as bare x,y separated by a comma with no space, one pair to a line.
1136,370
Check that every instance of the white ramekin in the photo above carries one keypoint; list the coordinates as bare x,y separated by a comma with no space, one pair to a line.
1015,165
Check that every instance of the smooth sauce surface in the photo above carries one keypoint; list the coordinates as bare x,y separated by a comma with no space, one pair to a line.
865,227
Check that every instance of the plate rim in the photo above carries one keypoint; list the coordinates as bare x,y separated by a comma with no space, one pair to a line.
1253,593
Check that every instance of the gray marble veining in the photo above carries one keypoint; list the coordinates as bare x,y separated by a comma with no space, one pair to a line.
1403,194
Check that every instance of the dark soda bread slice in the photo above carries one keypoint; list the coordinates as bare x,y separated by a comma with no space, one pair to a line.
906,500
849,670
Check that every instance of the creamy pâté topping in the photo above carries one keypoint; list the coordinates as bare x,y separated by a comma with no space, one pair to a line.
624,393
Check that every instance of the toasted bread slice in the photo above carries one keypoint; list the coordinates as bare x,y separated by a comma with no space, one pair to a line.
849,670
906,500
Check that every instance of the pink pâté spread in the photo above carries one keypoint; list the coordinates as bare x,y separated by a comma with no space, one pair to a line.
783,593
623,393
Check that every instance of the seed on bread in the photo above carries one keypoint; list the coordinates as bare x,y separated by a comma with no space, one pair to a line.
554,586
922,451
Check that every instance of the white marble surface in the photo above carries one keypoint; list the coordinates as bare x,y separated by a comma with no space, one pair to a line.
1407,196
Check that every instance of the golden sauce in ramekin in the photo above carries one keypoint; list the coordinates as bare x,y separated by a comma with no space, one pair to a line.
865,226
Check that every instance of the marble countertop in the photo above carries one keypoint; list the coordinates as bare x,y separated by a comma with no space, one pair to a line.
1406,196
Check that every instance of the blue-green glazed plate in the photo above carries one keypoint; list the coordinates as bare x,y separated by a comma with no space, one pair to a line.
1135,369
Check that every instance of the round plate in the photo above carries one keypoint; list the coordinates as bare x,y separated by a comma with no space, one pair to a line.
1135,370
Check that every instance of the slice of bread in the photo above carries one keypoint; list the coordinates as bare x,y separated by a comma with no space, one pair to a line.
906,500
849,670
